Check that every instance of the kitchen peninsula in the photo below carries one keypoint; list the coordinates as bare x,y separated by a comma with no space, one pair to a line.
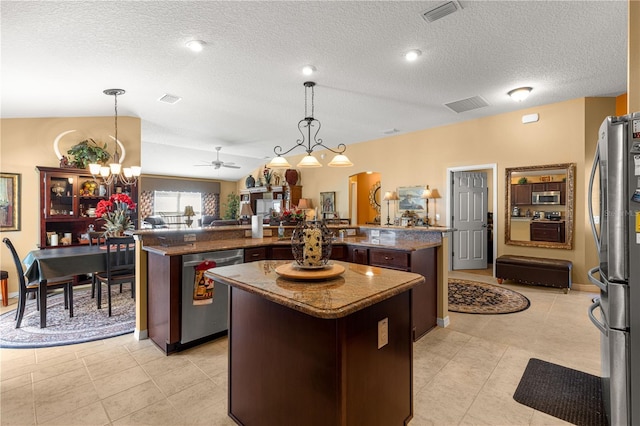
163,272
331,352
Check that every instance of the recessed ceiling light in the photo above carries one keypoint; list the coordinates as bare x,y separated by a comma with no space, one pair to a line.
520,94
412,55
308,69
195,45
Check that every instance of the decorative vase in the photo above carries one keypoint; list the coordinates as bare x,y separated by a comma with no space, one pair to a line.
291,176
311,244
250,182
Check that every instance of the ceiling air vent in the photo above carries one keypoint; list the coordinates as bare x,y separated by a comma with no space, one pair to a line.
169,99
468,104
441,11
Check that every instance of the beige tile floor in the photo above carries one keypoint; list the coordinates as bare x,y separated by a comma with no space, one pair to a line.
463,374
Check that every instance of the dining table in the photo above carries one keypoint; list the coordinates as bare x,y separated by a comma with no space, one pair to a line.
49,264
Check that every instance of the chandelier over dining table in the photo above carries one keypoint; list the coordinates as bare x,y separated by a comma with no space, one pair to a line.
115,173
310,142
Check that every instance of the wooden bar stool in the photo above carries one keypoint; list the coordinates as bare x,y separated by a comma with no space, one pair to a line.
4,275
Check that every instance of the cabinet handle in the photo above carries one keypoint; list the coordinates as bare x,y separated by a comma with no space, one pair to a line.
255,254
388,258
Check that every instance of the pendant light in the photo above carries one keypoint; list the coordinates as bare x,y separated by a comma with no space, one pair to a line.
115,172
310,142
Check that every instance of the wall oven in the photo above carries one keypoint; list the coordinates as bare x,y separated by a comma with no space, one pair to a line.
546,197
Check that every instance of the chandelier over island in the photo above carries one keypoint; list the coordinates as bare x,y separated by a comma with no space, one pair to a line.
310,142
115,172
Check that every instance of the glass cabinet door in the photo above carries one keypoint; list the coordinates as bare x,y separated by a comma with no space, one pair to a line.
60,196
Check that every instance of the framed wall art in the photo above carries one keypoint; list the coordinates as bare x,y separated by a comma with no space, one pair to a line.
328,202
9,202
409,199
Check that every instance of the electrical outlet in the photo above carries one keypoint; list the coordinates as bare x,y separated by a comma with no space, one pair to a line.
189,238
596,220
383,332
437,216
375,233
247,233
268,232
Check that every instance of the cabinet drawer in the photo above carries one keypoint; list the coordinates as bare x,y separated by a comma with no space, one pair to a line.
281,253
253,254
389,259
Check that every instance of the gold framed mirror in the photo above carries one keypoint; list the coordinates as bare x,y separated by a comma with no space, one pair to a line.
539,209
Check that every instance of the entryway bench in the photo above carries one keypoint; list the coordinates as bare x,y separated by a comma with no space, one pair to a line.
535,270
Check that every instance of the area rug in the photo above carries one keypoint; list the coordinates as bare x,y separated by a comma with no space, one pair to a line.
88,322
562,392
473,297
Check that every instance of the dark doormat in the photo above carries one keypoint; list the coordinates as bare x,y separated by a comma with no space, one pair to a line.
562,392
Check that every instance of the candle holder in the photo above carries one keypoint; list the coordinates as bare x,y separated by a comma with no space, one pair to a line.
311,244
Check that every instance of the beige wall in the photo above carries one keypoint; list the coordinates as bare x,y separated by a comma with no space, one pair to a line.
565,133
28,142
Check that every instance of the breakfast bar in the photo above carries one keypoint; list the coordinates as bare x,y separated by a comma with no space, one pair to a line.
335,351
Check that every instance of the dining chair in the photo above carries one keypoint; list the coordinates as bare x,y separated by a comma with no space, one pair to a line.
121,266
96,238
63,282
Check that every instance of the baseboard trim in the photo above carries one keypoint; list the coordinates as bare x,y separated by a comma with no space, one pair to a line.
141,334
443,322
591,288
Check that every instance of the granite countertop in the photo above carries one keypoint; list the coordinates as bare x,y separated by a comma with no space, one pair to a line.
358,287
243,243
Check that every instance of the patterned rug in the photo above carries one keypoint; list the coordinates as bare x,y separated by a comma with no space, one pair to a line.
88,322
472,297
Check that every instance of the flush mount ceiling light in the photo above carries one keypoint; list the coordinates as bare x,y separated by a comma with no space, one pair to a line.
340,160
520,94
195,45
412,55
115,173
308,69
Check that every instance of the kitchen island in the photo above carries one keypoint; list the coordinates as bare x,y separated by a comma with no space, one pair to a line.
328,352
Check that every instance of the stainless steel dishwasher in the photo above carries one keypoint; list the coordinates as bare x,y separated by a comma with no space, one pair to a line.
203,320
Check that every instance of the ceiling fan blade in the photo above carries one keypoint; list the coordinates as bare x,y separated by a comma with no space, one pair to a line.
229,165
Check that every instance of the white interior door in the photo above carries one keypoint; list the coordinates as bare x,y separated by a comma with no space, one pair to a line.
470,198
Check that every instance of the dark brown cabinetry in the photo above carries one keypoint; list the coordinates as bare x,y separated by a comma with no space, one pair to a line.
256,253
520,194
66,196
423,296
548,231
358,255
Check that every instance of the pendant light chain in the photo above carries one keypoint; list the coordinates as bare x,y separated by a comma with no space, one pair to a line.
115,155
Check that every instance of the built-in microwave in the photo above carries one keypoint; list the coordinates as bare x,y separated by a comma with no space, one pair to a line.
546,197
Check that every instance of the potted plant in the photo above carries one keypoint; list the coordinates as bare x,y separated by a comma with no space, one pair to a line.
88,151
232,206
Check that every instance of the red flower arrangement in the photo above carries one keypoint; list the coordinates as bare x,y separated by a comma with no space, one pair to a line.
115,213
292,215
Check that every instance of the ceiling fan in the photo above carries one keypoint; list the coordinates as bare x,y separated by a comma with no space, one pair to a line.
217,163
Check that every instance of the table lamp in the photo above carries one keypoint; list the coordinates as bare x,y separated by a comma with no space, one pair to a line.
188,212
426,194
304,204
245,210
435,195
389,196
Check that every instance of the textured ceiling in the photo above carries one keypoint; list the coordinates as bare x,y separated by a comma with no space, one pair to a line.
244,91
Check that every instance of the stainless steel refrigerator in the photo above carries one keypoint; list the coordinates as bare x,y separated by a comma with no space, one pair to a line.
616,228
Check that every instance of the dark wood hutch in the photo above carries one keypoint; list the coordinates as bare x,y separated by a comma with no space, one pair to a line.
65,202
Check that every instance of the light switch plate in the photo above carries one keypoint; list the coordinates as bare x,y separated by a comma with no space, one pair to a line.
189,238
351,232
383,332
375,233
268,232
